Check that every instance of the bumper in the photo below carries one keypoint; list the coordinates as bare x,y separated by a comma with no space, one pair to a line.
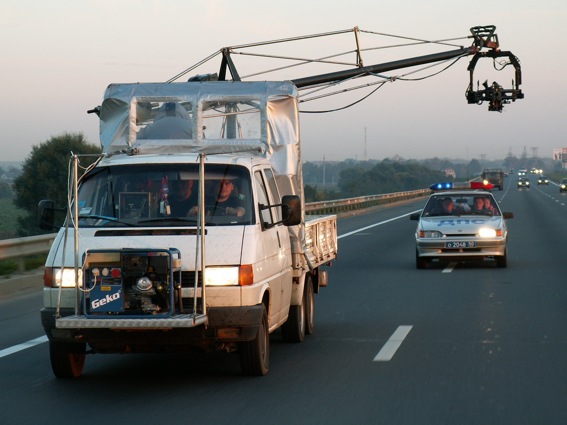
225,324
483,248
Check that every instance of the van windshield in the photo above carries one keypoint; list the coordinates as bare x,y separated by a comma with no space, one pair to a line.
164,195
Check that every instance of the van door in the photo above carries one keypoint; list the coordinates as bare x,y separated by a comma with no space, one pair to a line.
283,237
273,245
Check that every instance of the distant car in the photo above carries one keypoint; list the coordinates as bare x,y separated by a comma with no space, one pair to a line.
542,180
522,172
523,182
467,232
563,185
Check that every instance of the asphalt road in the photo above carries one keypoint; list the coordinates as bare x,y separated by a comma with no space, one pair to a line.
457,344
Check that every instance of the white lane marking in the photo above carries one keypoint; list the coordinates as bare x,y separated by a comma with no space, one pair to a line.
23,346
376,224
392,345
450,267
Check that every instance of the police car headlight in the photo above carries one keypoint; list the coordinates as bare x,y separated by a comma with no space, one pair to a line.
221,276
430,234
489,233
66,277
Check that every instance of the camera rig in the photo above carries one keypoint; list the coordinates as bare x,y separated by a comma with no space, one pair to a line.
496,95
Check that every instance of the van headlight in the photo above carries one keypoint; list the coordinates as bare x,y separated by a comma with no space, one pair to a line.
66,277
221,276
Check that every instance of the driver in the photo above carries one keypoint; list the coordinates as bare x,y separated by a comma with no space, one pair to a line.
227,201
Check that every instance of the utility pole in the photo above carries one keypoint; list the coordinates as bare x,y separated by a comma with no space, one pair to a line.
324,177
365,156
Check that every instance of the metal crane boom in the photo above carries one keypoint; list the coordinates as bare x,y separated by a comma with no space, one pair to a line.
384,67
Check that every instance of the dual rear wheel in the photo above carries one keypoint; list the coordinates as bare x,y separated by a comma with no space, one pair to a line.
301,319
255,355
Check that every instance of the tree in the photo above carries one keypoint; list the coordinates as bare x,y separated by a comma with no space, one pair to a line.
45,175
387,176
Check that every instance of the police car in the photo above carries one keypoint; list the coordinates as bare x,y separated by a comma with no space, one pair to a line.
461,222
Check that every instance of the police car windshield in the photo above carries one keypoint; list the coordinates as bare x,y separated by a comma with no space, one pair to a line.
461,204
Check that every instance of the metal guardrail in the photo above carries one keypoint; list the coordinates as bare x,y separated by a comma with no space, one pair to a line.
20,248
348,204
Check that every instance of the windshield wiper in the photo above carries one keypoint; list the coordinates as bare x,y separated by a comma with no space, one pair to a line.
105,217
174,220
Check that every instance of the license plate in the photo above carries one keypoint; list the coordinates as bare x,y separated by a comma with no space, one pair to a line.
455,244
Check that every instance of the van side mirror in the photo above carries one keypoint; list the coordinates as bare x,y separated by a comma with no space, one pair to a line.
415,216
45,214
291,210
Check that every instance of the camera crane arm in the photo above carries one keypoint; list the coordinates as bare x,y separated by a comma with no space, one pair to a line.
485,45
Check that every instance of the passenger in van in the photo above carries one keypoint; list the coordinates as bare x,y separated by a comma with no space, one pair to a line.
226,201
183,198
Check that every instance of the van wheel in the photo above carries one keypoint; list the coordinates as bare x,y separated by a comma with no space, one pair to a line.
67,359
301,319
309,304
255,355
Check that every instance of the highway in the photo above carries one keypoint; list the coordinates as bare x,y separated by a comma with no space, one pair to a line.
453,344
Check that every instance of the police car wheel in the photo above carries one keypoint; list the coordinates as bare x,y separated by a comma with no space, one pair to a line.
502,261
420,263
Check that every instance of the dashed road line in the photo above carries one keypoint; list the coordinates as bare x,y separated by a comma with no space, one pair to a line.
392,345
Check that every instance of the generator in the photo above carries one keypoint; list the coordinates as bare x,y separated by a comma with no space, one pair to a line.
133,283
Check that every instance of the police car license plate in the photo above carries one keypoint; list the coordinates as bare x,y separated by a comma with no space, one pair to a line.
455,244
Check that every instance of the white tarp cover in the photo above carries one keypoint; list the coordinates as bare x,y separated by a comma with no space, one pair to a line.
126,107
128,110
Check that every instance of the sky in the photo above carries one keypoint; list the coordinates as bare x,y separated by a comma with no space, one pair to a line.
58,57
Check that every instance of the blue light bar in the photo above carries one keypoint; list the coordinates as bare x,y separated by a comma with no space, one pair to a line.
462,185
441,186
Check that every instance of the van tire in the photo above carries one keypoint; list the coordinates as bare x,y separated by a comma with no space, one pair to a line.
255,355
67,359
309,304
301,318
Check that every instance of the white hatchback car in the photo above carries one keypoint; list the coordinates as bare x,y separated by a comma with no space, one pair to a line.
461,225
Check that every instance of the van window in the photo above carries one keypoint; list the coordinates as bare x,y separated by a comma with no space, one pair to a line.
164,195
275,193
263,198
